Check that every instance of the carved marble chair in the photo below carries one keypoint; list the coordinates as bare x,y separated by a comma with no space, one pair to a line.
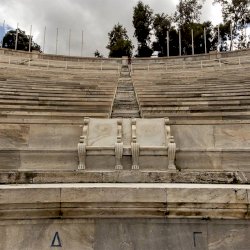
101,138
152,144
147,142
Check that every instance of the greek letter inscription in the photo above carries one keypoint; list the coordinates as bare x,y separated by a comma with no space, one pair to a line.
195,237
56,242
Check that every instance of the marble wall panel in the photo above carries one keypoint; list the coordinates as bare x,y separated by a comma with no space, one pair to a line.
228,236
49,160
54,136
198,160
149,234
201,194
102,132
236,161
193,136
125,234
234,136
13,136
153,163
10,160
190,236
100,162
48,235
121,194
26,195
150,132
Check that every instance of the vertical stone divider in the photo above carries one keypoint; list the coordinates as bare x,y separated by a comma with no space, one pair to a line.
119,146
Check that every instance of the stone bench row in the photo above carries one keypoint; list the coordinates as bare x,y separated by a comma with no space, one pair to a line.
195,85
79,92
210,72
241,115
193,106
50,116
34,101
211,95
40,96
190,80
47,100
81,84
95,106
62,79
208,101
193,91
52,110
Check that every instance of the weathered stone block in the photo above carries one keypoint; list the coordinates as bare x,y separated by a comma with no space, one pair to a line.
14,136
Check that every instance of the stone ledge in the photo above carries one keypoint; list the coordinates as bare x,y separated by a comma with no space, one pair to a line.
124,176
105,200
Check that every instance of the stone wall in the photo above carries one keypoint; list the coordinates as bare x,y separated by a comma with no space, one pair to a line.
124,216
54,147
210,56
36,55
125,234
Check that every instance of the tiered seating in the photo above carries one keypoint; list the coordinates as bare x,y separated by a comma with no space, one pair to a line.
188,96
47,96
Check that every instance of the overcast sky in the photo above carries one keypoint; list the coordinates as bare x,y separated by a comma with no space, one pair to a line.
95,17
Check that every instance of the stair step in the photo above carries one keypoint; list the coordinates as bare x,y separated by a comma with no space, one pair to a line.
125,116
125,103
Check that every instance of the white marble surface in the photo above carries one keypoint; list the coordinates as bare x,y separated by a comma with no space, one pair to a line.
125,234
14,135
102,132
40,235
54,147
127,200
151,132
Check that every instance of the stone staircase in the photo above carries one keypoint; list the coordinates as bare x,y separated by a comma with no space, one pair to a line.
125,104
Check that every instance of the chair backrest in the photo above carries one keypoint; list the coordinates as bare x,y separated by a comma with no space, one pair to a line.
151,132
102,132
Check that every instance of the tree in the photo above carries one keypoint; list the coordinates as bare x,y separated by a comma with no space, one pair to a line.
9,41
236,13
161,25
199,44
142,21
188,11
173,42
119,43
225,35
187,15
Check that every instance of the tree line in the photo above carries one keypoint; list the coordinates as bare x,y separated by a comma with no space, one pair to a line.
152,31
180,25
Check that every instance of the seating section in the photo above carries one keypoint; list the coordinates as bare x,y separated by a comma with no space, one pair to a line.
51,91
38,95
42,113
187,96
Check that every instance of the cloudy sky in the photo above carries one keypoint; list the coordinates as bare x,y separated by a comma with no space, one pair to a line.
95,17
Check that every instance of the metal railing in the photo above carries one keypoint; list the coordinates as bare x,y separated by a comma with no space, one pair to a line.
190,65
112,66
43,64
